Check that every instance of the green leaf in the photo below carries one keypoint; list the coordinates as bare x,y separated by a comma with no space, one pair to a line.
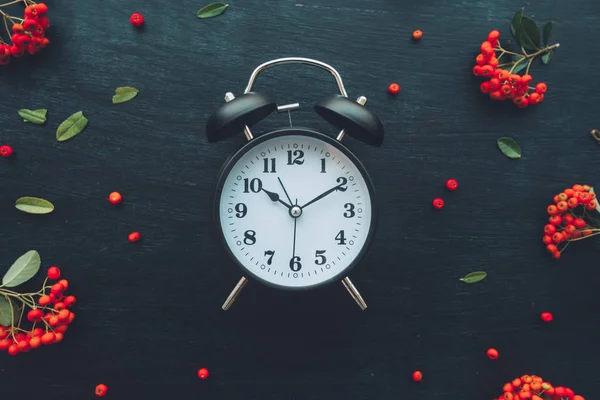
123,94
521,65
23,269
515,26
212,10
509,147
71,126
474,277
34,116
34,205
547,32
6,316
530,34
547,57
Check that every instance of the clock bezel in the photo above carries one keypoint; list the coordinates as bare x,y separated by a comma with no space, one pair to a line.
232,160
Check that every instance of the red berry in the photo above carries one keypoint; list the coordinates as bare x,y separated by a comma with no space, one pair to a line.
30,12
525,79
547,239
480,59
69,301
53,273
417,34
549,229
524,103
551,248
17,28
65,284
555,220
6,151
487,70
541,88
417,376
57,288
580,223
494,84
484,87
492,354
477,70
394,88
35,315
48,338
13,350
451,184
546,317
203,373
44,300
136,19
493,35
494,62
558,237
438,203
101,390
134,237
41,8
591,205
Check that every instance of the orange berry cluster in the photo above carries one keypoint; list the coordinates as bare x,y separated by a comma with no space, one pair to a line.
535,388
52,314
569,218
28,35
503,84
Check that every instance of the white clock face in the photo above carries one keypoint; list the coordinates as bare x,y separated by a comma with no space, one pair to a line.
295,211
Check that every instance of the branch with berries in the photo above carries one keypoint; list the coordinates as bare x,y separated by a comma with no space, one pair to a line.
535,388
574,216
48,316
25,34
501,65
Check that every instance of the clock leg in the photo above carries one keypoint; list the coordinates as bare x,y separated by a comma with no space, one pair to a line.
234,293
354,293
362,100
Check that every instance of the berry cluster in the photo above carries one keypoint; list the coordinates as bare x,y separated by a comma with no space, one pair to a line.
571,218
49,318
28,33
535,388
505,84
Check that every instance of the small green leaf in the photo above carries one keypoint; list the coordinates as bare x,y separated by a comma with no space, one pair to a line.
34,205
531,33
71,126
34,116
212,10
521,65
547,32
123,94
6,316
474,277
509,147
515,26
23,269
547,57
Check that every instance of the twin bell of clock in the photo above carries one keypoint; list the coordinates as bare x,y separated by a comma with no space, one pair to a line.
295,208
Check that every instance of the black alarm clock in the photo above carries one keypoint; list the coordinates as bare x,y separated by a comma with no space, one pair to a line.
294,207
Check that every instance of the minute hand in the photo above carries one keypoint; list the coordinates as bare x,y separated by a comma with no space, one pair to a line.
339,187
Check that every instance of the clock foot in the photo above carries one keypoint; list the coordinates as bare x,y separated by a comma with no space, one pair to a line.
235,293
354,293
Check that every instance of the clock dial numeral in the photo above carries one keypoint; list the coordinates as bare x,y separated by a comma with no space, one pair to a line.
340,238
241,210
298,157
342,184
323,165
250,237
320,257
349,213
269,162
295,264
254,185
270,254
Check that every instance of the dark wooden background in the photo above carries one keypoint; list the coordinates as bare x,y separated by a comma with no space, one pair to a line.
149,313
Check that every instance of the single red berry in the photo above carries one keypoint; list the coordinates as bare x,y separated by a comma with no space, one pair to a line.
591,205
572,202
515,79
556,254
480,59
487,70
65,284
558,237
494,62
134,237
30,12
549,229
494,84
13,350
555,220
477,70
438,203
57,288
580,223
525,79
506,90
394,88
547,239
451,184
562,206
35,342
492,354
44,300
136,19
48,338
41,8
6,151
53,273
493,35
484,87
524,103
568,219
203,373
541,88
35,315
552,209
69,301
101,390
417,34
417,376
551,248
547,317
496,95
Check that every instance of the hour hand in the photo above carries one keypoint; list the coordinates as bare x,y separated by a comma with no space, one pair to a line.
275,197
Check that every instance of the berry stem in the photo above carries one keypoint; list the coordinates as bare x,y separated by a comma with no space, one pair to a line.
12,2
585,237
4,17
528,66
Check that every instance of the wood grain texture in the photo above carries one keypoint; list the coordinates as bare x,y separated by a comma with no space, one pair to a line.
149,314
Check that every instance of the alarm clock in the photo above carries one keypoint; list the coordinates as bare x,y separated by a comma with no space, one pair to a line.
294,207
